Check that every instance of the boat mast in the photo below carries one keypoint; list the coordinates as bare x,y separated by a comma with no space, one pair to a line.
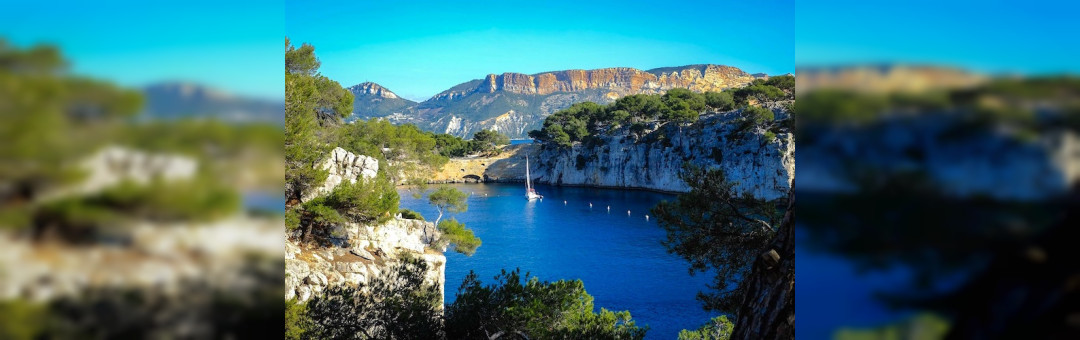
528,186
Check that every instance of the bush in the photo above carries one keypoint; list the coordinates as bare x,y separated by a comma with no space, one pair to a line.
758,114
524,305
397,305
719,328
454,233
372,200
409,214
784,82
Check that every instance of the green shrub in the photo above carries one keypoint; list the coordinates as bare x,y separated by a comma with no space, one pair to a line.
454,233
719,328
409,214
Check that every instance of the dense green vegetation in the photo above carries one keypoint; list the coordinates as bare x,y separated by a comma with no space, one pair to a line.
402,306
484,141
719,328
524,305
582,122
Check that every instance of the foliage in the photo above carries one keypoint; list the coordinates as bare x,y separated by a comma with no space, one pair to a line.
49,117
76,218
448,200
719,328
399,147
451,146
396,305
312,104
759,92
22,319
409,214
488,140
538,310
454,233
785,82
770,137
717,229
583,121
758,115
296,321
373,200
920,326
721,101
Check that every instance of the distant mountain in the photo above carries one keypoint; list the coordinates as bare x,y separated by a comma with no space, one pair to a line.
514,103
372,100
175,100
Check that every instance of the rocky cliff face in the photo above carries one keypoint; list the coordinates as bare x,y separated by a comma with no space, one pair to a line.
373,89
359,252
514,103
621,80
765,168
363,252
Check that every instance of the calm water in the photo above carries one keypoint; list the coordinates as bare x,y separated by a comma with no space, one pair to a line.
520,141
618,257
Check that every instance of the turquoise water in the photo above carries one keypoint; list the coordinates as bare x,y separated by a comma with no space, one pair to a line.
618,256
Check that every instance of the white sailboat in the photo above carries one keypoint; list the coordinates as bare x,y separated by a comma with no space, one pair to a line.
530,193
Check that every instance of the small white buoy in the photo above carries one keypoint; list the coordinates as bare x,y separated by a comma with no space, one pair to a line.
609,208
563,202
628,213
646,217
590,205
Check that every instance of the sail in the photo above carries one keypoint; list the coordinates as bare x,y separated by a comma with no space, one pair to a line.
528,186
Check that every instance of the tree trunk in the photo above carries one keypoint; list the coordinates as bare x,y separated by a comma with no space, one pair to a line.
767,310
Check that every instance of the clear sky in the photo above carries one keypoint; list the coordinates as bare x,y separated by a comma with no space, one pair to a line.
421,48
1025,37
231,45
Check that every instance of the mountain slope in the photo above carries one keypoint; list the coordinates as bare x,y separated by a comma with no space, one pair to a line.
371,100
514,103
175,100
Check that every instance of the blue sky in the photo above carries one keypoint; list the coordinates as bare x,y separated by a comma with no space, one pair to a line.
1024,37
421,48
231,45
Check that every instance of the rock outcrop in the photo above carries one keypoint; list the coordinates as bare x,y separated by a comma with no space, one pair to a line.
363,253
359,252
113,165
344,166
762,167
372,89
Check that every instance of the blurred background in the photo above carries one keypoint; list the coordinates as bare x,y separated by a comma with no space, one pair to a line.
938,157
141,170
